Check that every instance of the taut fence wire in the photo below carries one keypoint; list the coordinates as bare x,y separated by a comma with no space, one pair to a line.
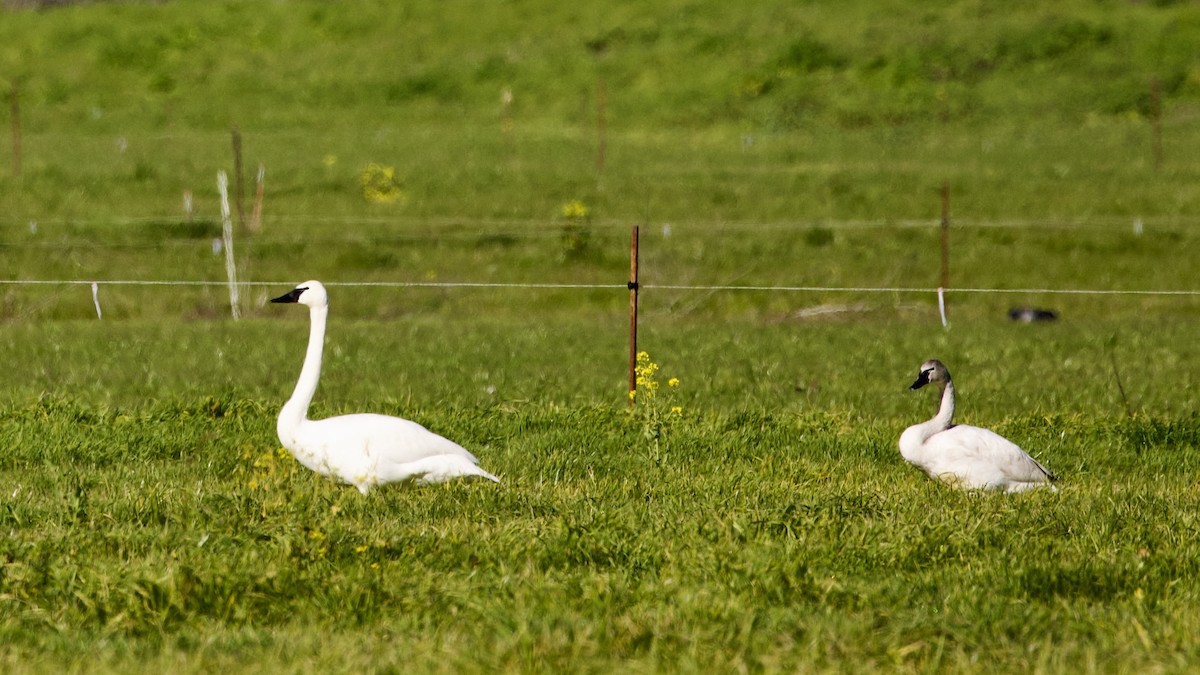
632,286
604,286
620,286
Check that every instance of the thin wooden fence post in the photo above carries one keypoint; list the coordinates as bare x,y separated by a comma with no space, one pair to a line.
227,236
508,123
601,124
944,277
1156,122
96,300
238,181
259,190
633,312
16,129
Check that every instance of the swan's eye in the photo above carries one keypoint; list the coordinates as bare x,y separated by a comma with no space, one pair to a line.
301,290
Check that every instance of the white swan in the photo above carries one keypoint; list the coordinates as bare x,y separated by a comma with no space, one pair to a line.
362,449
966,456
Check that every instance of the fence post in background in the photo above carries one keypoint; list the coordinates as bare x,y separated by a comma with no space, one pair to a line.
944,277
96,299
227,233
259,189
1156,122
237,177
507,124
601,123
16,129
633,312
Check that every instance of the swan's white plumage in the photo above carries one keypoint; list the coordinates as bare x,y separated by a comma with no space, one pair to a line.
963,455
363,449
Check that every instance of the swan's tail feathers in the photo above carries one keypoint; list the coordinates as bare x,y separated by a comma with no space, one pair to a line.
1049,476
485,474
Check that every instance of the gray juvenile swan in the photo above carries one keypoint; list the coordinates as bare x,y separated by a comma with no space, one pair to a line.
363,449
966,456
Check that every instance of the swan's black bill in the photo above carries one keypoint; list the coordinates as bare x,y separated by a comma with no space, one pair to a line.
292,296
922,380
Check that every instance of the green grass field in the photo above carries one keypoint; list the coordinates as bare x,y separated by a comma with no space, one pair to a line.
149,521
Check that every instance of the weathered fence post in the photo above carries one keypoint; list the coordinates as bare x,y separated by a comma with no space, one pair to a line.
227,233
944,278
259,190
1156,122
239,201
633,312
16,129
601,124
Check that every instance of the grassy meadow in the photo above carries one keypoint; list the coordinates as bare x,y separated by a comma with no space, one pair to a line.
149,521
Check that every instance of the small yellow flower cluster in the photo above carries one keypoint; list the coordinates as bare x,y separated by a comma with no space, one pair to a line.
575,210
645,370
379,185
366,550
655,409
575,234
317,545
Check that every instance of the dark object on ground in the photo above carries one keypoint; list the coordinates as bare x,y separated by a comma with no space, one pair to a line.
1031,314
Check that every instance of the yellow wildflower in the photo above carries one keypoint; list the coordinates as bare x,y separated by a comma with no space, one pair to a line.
379,184
575,210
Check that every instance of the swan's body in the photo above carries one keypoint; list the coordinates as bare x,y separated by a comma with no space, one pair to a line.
963,455
362,449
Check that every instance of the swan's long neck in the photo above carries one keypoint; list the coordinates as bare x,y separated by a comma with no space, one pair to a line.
296,409
912,441
945,414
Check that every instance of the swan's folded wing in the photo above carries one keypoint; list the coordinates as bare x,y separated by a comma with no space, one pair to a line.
391,439
982,448
430,470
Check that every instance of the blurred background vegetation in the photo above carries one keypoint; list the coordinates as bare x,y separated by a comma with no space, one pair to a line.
774,144
490,115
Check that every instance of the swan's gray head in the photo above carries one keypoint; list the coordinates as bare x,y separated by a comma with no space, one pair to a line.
310,293
931,371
